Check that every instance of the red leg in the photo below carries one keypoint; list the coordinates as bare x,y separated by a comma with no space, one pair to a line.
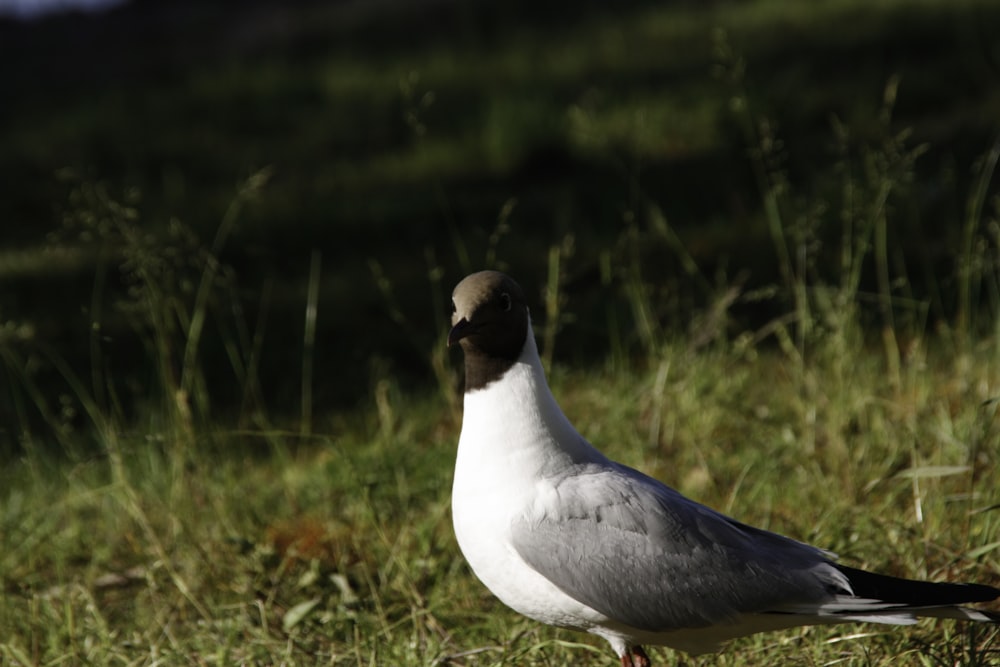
635,657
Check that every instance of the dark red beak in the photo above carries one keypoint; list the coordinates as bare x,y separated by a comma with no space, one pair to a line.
461,329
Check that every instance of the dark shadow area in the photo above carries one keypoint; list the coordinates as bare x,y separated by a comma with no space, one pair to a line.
395,136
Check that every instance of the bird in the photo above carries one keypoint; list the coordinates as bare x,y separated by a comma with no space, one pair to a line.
564,535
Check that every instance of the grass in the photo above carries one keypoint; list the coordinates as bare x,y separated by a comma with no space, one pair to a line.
166,532
264,549
177,490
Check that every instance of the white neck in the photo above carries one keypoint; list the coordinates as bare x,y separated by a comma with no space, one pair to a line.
513,427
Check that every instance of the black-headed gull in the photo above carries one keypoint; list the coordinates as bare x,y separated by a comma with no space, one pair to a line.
564,535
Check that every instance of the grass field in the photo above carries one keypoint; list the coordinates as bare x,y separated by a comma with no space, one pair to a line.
324,538
181,545
762,247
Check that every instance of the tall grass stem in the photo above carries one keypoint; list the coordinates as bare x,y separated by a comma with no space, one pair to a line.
309,342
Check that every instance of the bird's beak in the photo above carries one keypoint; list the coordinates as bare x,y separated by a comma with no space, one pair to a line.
460,330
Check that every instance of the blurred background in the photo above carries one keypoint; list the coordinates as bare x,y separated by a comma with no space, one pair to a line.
261,207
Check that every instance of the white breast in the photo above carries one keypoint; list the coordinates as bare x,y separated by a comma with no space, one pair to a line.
512,433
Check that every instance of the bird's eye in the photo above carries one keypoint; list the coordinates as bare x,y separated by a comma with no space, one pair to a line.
505,301
453,307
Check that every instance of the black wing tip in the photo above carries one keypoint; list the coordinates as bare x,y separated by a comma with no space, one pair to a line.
914,593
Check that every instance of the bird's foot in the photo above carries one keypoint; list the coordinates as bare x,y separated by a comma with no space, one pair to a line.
635,657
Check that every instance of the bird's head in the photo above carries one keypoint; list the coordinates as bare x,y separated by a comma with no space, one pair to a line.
490,319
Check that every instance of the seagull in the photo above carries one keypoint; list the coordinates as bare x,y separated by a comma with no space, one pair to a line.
566,536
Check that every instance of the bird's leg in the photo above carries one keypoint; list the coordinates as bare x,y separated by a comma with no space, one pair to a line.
635,657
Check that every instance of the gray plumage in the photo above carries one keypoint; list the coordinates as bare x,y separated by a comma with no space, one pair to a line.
643,554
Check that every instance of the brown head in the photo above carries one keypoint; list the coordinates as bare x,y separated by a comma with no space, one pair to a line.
490,321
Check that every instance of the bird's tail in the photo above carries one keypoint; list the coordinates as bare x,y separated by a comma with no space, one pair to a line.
894,600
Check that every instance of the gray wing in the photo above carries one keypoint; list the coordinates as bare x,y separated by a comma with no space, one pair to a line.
644,555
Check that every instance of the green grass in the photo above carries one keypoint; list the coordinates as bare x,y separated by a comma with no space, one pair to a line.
176,487
258,548
163,531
